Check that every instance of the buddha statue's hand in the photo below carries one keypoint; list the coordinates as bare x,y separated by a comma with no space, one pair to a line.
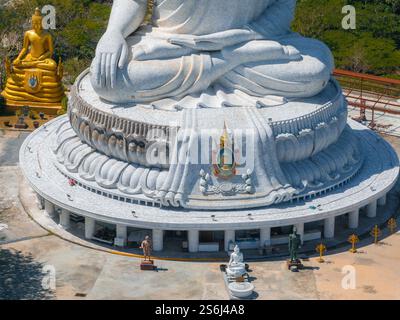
111,53
260,50
216,41
159,50
17,62
44,56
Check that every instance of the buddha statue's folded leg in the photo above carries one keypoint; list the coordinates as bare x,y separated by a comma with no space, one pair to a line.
151,80
142,81
48,64
29,62
305,77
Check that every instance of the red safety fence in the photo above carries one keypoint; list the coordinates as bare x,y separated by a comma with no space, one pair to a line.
370,92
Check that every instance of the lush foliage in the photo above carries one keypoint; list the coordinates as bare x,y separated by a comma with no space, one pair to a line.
374,47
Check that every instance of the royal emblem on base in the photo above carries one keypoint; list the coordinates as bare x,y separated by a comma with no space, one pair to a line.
225,168
207,187
224,160
33,81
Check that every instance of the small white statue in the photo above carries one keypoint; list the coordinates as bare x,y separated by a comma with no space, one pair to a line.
236,267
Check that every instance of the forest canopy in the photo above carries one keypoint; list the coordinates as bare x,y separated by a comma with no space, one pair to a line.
374,47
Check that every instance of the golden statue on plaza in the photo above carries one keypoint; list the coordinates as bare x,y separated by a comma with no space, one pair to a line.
34,78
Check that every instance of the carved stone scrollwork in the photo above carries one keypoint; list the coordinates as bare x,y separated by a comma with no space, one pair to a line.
133,142
114,143
207,187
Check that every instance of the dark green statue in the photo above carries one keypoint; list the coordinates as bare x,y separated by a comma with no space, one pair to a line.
294,245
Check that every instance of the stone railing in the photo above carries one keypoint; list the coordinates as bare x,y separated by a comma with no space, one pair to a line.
312,120
111,122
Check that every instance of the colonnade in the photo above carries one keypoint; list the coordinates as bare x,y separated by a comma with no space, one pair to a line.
194,234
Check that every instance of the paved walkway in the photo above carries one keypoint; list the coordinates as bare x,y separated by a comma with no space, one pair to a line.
387,123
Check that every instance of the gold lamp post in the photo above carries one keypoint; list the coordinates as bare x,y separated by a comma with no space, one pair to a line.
392,225
353,239
321,249
376,232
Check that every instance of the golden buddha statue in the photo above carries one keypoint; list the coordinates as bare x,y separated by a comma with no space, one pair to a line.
34,78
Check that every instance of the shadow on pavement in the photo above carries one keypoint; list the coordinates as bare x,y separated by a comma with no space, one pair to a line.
21,277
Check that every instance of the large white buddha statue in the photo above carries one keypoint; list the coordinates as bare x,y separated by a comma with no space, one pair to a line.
160,95
244,45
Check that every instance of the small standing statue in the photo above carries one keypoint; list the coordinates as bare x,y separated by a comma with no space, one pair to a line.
294,246
147,247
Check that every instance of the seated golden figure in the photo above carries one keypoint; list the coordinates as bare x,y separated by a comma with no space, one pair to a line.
34,78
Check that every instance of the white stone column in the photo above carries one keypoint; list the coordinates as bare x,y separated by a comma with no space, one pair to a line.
354,217
265,237
230,236
122,233
300,231
158,240
193,239
329,228
65,219
382,201
90,226
49,208
371,209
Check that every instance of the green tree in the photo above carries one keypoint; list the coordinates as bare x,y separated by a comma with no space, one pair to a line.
373,47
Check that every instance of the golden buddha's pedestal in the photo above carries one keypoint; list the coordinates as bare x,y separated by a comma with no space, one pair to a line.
34,78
